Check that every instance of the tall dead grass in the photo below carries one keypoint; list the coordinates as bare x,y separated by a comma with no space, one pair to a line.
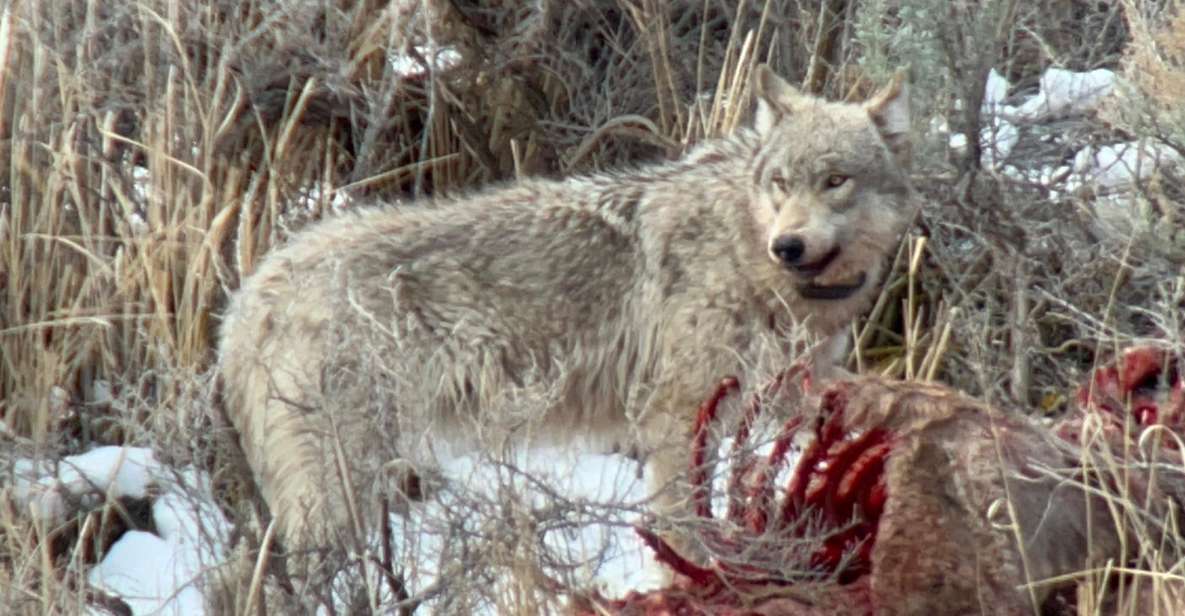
155,149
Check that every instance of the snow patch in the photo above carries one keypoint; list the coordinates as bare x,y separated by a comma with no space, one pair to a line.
601,496
1065,92
408,65
151,574
103,472
154,573
998,137
1120,166
1062,93
1116,174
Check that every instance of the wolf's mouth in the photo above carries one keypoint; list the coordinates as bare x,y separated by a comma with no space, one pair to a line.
810,270
812,290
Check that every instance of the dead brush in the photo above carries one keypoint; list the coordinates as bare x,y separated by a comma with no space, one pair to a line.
1131,442
36,578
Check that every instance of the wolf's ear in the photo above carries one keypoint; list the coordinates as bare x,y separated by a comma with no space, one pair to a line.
889,109
775,98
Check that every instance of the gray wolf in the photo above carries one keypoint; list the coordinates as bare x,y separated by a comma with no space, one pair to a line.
616,299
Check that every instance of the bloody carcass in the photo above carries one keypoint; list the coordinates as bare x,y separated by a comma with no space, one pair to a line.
913,499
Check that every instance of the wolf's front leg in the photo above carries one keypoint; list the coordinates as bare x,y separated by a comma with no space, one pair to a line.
671,472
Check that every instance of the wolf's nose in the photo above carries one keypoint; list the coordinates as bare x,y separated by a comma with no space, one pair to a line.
788,249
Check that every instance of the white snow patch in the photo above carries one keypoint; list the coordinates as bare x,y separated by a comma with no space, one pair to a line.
1065,92
998,139
1120,167
1115,173
161,573
1062,92
598,499
113,471
1111,175
599,539
995,90
142,188
407,65
102,392
153,573
998,136
118,471
315,195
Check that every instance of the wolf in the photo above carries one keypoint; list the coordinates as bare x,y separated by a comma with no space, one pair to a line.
615,301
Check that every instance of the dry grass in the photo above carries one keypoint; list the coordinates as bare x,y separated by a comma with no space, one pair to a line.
156,149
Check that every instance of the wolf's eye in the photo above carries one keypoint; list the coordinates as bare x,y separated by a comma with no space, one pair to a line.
835,180
780,182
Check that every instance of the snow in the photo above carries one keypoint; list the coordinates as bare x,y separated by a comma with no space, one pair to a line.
114,471
998,139
1115,174
158,573
610,481
598,499
998,136
1120,166
119,471
1065,92
153,573
408,66
1062,92
995,90
602,496
1110,175
317,194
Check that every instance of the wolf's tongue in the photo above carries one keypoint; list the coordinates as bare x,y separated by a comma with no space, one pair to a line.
812,290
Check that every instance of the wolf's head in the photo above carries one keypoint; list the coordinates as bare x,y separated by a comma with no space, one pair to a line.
831,188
